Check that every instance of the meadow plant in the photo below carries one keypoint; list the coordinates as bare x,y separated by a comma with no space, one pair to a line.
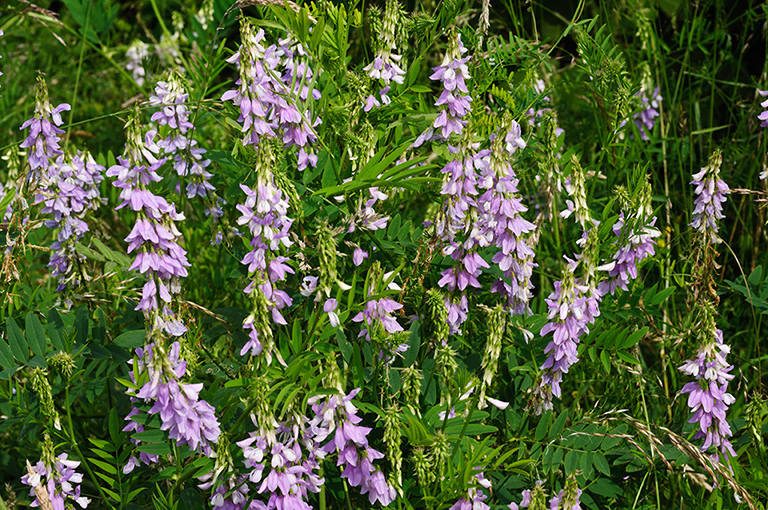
413,217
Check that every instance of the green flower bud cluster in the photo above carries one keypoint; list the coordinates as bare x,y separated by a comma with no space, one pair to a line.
497,321
42,388
394,452
411,378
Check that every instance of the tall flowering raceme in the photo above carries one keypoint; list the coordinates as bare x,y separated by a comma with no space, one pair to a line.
378,322
636,240
188,419
68,189
573,305
187,157
452,73
284,463
265,213
710,193
571,310
272,83
154,236
458,230
43,139
764,118
501,209
645,119
708,396
386,65
336,417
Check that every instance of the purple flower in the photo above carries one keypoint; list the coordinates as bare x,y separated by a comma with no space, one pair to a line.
59,480
43,138
710,193
500,219
265,212
283,461
68,189
329,307
453,73
638,245
336,417
154,236
646,118
273,92
708,397
187,158
572,307
187,419
365,217
358,256
377,314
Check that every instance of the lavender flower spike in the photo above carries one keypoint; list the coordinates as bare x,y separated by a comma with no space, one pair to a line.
572,307
43,139
707,395
188,419
710,193
452,73
55,482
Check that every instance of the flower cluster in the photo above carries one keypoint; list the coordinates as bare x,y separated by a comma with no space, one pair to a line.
187,158
230,495
475,498
453,73
273,82
638,245
573,306
154,235
460,184
378,323
188,419
285,464
483,209
265,213
646,118
336,417
53,484
501,209
43,138
68,190
710,193
708,395
764,118
566,499
386,64
136,53
365,217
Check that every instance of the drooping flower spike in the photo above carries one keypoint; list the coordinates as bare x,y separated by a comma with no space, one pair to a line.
154,236
387,65
710,192
43,139
68,190
455,98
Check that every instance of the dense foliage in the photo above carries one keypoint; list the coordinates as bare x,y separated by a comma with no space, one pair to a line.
441,255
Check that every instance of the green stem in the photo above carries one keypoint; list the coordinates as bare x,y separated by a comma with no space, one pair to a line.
80,455
79,72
